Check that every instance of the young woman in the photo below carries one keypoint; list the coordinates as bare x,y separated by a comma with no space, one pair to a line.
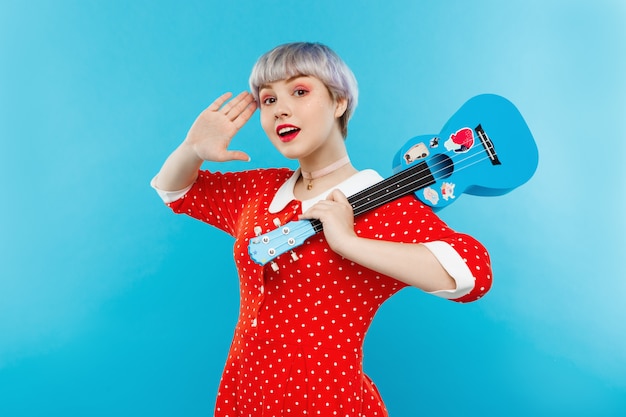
297,348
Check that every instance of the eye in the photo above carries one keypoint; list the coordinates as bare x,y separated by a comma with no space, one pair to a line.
299,92
267,100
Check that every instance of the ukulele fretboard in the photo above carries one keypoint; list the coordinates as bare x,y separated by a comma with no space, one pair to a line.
400,184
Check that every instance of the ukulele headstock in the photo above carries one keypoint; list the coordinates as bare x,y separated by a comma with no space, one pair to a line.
266,247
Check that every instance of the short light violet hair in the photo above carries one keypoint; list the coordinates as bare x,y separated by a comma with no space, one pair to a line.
312,59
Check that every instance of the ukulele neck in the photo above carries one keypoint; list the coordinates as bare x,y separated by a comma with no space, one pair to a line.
398,185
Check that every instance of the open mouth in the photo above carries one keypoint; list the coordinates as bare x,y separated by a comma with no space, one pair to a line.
287,133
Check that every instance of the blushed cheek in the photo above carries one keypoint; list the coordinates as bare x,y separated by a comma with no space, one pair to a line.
271,135
267,124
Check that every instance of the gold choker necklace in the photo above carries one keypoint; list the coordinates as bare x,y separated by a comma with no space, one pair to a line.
324,171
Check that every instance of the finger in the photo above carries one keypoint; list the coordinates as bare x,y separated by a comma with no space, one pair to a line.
245,115
237,104
215,106
319,210
313,212
338,196
238,156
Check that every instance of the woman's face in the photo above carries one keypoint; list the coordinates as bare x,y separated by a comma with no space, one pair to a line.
299,116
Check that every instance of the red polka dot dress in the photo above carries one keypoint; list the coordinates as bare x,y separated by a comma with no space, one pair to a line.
297,347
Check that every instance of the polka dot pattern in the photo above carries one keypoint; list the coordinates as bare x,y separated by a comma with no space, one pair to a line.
297,348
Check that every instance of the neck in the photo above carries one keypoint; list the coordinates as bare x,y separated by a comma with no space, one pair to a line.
310,176
328,169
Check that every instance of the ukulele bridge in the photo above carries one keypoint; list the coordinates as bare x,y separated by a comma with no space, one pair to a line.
488,145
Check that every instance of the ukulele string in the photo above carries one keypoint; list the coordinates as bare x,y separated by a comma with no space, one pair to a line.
373,202
437,168
297,230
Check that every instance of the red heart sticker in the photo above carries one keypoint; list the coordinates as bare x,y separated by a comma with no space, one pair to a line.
464,138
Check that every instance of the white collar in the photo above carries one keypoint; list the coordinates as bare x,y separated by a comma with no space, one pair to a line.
359,181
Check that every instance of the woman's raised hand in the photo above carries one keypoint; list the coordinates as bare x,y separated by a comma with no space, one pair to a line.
215,127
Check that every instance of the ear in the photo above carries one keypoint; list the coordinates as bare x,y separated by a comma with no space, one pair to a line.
341,104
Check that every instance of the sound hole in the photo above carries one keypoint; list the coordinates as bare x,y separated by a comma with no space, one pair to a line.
441,166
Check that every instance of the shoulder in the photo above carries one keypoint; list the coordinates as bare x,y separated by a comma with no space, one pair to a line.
253,177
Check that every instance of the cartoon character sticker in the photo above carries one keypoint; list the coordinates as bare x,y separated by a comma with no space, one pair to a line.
447,190
431,195
418,151
461,141
434,142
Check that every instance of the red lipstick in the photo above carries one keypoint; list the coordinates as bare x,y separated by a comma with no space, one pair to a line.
287,132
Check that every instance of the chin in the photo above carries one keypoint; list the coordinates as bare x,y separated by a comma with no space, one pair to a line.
287,149
290,154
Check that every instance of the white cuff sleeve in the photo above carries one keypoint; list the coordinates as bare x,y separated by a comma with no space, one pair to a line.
455,266
169,196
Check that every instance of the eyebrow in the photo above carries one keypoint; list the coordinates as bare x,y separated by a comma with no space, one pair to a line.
267,85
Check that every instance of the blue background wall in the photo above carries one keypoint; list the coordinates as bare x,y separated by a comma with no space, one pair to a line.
112,306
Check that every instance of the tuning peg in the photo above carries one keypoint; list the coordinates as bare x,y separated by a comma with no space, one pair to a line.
294,256
276,222
274,266
257,230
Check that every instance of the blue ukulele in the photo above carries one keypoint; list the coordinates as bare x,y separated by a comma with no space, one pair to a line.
485,149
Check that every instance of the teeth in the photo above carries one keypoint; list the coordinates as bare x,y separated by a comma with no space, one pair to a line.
286,130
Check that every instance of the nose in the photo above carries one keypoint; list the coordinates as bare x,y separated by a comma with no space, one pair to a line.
281,110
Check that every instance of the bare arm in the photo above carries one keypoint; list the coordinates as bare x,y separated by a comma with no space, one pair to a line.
207,140
413,264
